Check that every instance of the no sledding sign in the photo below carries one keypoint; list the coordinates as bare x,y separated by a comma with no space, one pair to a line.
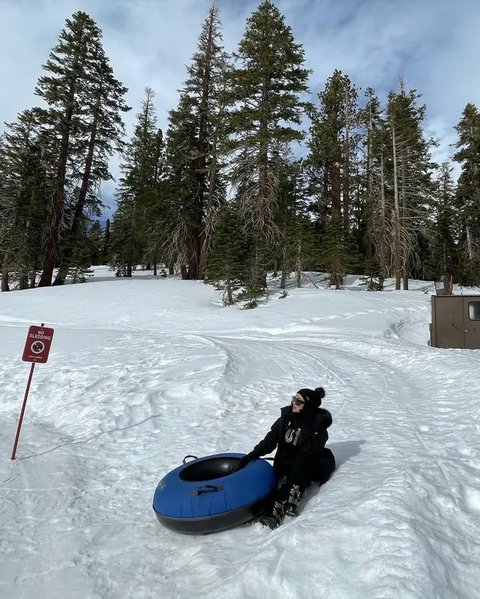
37,346
36,350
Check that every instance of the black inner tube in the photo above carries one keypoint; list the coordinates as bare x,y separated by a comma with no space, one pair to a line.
209,469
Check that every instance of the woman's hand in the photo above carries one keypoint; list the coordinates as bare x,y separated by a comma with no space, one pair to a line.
244,462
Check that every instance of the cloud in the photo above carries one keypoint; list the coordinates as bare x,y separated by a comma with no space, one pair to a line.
433,44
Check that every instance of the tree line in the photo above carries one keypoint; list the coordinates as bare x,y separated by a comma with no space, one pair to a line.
252,175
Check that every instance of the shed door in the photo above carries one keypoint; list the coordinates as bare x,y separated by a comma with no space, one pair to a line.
472,323
449,321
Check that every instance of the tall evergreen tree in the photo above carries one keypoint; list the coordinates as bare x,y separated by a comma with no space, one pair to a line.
295,244
96,240
376,214
105,253
267,87
442,261
25,199
138,190
102,133
194,153
84,103
468,192
411,176
230,259
332,143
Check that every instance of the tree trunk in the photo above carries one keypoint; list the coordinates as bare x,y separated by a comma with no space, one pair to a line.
211,203
336,191
298,266
201,242
298,276
53,234
396,217
23,281
228,294
369,155
209,224
5,286
33,276
82,198
285,269
469,243
106,241
382,258
405,252
346,167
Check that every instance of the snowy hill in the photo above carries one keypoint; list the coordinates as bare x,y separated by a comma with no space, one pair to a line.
145,371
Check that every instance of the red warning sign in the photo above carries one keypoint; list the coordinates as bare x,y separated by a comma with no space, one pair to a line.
37,346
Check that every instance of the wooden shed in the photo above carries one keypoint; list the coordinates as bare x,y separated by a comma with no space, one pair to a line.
455,321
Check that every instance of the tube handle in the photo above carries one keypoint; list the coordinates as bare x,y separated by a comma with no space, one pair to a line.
208,489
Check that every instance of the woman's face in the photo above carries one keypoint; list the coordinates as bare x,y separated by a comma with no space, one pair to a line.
298,403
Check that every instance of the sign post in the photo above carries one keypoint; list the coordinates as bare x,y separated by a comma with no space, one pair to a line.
36,350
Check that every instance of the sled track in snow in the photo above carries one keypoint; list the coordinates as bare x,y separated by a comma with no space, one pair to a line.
407,482
391,377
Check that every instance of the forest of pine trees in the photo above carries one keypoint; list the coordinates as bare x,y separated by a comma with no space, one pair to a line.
253,174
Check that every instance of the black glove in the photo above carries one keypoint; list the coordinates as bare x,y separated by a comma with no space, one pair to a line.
244,461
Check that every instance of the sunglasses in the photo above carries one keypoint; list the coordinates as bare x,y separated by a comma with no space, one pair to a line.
297,402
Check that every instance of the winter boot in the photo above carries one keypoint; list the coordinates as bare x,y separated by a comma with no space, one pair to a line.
273,520
291,509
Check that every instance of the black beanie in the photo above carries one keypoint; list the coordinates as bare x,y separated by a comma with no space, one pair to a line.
313,397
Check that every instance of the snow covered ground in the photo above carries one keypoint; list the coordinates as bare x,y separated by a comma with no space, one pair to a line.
145,371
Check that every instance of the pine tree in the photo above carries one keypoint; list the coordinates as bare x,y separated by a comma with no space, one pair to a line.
375,213
266,88
138,191
468,192
102,133
96,240
6,215
25,199
194,153
411,178
230,259
332,145
181,221
443,252
84,102
295,244
105,251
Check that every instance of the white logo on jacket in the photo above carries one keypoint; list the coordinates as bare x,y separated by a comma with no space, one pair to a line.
292,435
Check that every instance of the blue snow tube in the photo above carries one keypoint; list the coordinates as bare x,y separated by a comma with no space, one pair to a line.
204,495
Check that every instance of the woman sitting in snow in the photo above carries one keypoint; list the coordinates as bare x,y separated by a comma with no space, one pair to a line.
300,435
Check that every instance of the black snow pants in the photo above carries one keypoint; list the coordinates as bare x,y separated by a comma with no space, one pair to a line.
302,472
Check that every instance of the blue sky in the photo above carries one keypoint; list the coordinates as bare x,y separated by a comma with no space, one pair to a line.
433,44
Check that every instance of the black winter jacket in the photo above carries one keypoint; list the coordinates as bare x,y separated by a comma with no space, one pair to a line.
303,434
